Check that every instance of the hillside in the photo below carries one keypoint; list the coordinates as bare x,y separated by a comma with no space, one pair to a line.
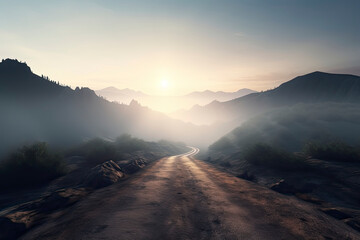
34,108
289,128
316,87
314,107
299,139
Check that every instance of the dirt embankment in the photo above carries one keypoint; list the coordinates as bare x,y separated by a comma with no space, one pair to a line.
18,216
333,187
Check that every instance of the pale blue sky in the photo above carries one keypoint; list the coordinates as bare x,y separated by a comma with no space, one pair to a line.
194,45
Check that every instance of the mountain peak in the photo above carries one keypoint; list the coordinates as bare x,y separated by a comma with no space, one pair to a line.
13,66
111,88
245,89
317,73
327,75
85,91
134,103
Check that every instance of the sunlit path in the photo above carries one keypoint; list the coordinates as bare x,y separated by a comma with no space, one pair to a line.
180,197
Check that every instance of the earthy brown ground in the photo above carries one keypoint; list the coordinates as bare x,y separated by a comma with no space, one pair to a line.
180,197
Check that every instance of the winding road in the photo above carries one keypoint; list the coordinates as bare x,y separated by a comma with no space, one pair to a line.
180,197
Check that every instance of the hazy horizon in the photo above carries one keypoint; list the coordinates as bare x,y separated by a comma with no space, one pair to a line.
176,47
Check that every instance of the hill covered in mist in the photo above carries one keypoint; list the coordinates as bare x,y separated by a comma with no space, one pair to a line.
317,107
316,87
34,108
304,142
290,128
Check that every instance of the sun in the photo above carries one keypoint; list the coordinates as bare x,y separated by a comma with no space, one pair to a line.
164,84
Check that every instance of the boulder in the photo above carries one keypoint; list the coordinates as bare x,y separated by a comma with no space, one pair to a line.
336,213
355,224
283,187
60,199
247,176
103,175
134,166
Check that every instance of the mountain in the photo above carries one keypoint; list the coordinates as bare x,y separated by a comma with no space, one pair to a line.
34,108
318,111
120,95
290,128
315,87
208,96
169,104
303,133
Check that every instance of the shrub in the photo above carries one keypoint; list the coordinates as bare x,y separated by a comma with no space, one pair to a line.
265,155
30,166
96,151
332,151
127,144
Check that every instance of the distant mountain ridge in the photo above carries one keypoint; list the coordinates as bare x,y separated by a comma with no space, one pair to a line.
315,87
120,95
318,86
174,103
221,95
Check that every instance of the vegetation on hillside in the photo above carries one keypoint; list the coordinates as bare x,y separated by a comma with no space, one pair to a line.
99,150
275,157
30,166
36,165
265,155
291,128
322,131
333,151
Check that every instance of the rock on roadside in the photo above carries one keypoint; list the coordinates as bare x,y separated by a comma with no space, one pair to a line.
103,175
283,187
27,215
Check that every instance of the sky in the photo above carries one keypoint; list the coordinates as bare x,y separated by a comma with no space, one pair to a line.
175,47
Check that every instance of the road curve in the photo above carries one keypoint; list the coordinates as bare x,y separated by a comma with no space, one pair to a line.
180,197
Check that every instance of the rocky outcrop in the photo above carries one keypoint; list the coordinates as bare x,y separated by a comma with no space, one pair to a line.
103,175
355,224
25,216
247,176
287,188
60,199
132,166
336,213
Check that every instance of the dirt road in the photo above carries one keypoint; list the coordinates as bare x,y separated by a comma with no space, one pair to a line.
180,197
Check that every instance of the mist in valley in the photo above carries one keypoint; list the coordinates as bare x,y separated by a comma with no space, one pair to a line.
289,128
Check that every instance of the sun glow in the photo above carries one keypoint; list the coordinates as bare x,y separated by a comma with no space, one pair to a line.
164,84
